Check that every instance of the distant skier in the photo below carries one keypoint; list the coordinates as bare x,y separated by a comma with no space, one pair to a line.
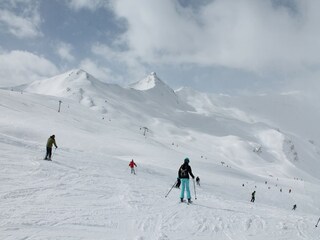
289,190
253,196
51,141
294,207
132,164
184,172
178,183
198,181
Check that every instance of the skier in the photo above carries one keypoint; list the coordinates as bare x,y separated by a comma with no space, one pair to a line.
289,190
51,141
253,196
198,181
294,207
178,183
184,172
131,165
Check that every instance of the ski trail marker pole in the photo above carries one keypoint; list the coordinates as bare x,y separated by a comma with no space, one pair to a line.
318,222
171,188
195,192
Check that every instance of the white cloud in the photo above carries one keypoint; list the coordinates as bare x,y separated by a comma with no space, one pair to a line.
21,18
86,4
21,27
134,69
64,51
114,54
19,67
101,73
253,35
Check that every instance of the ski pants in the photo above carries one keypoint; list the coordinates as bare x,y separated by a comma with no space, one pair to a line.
49,153
185,186
132,171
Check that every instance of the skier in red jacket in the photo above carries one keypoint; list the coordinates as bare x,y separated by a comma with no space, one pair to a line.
131,165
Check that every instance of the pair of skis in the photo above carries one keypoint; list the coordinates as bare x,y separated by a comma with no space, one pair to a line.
187,202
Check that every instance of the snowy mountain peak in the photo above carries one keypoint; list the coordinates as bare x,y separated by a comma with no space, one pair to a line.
64,84
76,84
159,92
150,82
75,75
78,75
78,72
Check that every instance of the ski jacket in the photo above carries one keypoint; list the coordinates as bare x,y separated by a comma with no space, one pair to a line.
132,164
51,141
185,171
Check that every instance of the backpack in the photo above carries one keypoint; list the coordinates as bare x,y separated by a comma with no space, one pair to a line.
183,172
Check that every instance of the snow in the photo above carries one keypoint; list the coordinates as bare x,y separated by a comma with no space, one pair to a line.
151,81
87,191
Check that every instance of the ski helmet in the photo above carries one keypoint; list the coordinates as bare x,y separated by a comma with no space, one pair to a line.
186,160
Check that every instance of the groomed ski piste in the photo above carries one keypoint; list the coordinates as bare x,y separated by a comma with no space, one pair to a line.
87,191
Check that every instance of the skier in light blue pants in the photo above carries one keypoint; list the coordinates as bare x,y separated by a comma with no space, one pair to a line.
184,172
185,186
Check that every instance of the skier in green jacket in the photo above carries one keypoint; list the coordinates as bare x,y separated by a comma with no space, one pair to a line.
51,141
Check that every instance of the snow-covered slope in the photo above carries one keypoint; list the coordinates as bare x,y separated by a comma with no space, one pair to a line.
88,193
292,117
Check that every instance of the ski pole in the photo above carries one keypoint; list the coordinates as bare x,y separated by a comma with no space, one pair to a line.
195,193
171,188
53,152
318,222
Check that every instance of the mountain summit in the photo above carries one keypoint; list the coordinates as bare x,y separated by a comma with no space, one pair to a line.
64,84
153,87
75,84
150,82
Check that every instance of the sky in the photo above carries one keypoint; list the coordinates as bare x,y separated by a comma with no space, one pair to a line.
209,45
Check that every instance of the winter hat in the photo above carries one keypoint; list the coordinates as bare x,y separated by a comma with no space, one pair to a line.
186,160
